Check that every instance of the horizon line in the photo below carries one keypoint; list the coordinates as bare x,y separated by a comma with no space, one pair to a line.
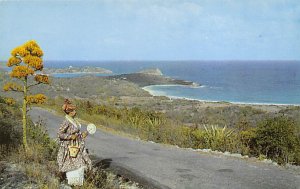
184,60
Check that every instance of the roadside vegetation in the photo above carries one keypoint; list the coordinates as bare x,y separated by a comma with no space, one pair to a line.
38,162
273,137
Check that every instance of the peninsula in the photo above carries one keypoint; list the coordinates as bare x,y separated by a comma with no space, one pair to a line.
151,77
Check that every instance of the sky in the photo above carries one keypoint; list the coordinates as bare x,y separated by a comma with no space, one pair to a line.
154,29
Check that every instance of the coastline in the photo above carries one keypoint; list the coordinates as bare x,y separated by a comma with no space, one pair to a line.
155,93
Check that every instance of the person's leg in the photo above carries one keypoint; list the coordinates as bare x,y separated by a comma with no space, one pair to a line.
62,176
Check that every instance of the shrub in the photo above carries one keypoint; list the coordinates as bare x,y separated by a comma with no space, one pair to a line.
246,136
198,138
10,126
247,141
37,134
276,138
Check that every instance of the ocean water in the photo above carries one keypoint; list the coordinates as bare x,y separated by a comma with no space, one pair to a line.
261,82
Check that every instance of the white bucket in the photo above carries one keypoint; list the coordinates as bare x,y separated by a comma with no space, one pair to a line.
76,177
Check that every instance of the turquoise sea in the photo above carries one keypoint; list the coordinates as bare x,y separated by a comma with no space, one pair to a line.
261,82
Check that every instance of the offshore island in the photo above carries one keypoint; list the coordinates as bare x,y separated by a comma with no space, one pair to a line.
71,69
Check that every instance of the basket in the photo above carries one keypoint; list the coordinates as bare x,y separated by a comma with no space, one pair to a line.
73,148
75,177
73,151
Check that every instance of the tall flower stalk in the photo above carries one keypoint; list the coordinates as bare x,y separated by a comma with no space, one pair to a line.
25,61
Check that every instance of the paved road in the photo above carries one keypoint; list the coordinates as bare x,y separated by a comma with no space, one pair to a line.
159,166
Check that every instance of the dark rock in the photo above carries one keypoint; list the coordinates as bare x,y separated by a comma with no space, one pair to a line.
11,177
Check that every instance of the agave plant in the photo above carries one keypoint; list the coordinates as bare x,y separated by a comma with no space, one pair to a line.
135,120
216,131
217,138
155,121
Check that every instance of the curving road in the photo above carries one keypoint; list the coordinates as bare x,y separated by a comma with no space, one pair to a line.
159,166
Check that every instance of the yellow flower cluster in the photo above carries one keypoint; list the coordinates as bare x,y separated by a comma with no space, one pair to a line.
9,101
34,48
20,51
12,87
31,45
36,99
34,61
30,53
21,72
37,52
42,79
13,61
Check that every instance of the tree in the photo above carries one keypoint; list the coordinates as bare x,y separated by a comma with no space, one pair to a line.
26,60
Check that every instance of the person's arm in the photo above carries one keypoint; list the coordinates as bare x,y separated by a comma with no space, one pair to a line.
84,134
62,132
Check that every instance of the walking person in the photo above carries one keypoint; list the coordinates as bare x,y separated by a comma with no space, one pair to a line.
72,155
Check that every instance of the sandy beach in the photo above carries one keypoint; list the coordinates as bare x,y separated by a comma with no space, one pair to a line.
270,107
